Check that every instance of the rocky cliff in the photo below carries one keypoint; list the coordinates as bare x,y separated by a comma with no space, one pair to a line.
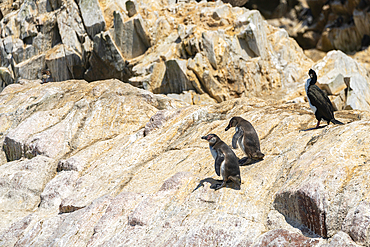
322,24
211,49
95,154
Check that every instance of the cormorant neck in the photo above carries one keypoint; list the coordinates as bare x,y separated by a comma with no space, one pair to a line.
313,79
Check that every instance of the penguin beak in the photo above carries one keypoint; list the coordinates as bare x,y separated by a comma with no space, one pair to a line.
227,128
204,137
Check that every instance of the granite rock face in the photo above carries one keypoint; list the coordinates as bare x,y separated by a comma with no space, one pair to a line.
117,165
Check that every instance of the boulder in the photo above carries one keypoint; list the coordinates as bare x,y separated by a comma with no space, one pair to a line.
175,79
49,35
18,183
25,19
332,70
106,60
6,77
56,62
64,63
332,83
130,37
357,223
71,27
92,16
4,61
342,239
30,69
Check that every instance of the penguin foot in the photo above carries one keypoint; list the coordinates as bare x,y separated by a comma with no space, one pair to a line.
220,185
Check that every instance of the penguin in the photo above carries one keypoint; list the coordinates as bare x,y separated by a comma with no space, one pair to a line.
247,138
226,162
319,101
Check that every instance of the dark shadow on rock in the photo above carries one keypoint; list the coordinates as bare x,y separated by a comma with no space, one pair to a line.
215,183
320,127
245,161
303,211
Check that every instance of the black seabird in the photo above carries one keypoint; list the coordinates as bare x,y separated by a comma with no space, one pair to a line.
247,138
319,102
226,162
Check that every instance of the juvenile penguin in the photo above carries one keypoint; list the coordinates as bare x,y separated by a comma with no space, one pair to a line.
320,104
247,138
226,162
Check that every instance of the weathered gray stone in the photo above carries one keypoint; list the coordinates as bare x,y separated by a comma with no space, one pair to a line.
24,53
15,141
306,206
357,223
106,60
18,182
44,6
200,66
4,61
56,62
71,27
49,35
10,236
57,189
56,4
30,69
235,2
253,34
342,239
6,78
130,8
208,45
339,102
130,37
92,16
332,83
12,44
175,79
185,96
64,63
25,17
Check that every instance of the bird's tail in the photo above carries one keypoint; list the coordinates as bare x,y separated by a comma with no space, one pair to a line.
334,121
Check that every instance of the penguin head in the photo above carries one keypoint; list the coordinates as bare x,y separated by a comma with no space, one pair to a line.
311,73
232,123
211,138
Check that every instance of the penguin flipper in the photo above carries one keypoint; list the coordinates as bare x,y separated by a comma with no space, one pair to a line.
218,161
238,134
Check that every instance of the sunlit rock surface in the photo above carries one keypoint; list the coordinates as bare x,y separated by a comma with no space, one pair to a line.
105,163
